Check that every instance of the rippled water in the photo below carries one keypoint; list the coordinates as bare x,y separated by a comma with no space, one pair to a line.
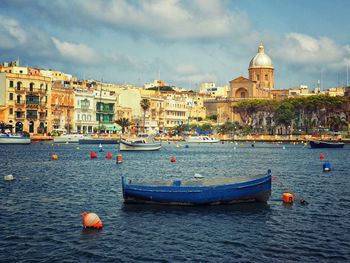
40,212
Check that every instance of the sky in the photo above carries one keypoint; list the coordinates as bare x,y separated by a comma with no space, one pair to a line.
183,42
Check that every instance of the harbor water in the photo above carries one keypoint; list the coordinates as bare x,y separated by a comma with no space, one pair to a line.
41,211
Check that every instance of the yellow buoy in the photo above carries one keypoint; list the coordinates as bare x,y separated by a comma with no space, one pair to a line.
54,157
288,198
78,148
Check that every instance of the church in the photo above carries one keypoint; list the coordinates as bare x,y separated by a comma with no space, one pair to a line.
259,85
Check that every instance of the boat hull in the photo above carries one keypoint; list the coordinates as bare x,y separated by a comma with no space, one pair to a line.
254,190
129,146
324,144
202,139
98,141
70,138
14,140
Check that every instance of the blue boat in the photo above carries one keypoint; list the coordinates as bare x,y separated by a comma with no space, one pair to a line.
213,191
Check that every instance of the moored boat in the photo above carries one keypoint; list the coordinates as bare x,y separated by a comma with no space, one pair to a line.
6,138
201,139
325,144
70,138
98,141
139,144
214,191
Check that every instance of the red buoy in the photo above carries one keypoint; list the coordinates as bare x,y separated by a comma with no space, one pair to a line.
109,155
321,156
91,220
288,198
93,155
172,159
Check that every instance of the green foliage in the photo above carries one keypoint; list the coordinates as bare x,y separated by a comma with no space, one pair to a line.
229,127
206,127
285,114
212,117
124,123
163,88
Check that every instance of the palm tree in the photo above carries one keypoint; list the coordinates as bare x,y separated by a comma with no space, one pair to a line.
145,104
124,123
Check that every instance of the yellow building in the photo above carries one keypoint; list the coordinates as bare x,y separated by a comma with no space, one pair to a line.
25,102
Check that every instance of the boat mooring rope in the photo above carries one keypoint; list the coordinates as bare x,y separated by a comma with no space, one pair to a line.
302,201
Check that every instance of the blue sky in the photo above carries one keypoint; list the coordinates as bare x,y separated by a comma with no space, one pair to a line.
185,42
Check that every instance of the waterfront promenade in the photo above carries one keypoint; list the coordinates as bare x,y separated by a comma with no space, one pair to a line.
238,138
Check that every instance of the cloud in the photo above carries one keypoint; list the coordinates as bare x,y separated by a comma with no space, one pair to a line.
78,53
186,69
11,33
301,49
157,19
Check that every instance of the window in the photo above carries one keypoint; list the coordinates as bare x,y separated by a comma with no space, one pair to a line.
31,86
266,77
46,87
242,94
11,96
18,85
11,83
11,111
258,77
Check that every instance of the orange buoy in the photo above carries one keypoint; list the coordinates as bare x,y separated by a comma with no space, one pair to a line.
109,155
288,198
93,155
54,157
172,159
91,220
321,156
119,158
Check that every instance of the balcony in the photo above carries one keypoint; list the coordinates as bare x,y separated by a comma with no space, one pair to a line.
32,117
19,103
32,105
21,91
19,116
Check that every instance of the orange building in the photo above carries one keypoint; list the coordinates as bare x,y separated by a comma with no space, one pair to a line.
62,106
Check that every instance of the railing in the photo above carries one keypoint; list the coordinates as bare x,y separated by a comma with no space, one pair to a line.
20,118
19,103
32,117
21,91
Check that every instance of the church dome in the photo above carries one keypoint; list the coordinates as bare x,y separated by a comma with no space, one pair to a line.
261,60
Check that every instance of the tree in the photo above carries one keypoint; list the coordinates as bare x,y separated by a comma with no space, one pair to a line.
179,128
145,104
124,123
336,123
285,114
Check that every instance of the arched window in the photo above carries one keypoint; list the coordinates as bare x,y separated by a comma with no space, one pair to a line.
83,117
266,77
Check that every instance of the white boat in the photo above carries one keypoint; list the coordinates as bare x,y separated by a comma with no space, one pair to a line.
139,144
201,139
70,138
13,139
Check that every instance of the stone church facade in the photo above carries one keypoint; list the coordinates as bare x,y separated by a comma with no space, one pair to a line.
259,85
